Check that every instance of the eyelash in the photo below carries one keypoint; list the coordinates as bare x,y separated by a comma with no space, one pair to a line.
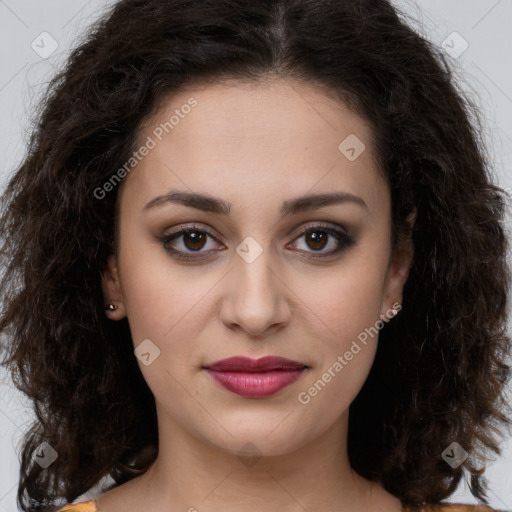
343,238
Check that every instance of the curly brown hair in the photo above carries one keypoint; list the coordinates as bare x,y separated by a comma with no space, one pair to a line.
440,373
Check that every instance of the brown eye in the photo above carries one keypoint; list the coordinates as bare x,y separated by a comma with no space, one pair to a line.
194,240
317,240
184,243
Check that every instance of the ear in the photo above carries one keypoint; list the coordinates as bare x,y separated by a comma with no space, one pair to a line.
398,271
112,289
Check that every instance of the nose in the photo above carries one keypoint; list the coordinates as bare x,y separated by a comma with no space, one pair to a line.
256,298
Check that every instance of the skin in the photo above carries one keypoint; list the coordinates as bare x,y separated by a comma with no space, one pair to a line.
254,146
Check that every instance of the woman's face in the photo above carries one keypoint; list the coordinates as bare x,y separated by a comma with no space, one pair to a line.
255,165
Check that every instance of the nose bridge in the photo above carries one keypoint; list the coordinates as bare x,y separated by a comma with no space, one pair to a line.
255,275
256,296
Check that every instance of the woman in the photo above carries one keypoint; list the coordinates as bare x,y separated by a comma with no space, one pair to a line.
238,223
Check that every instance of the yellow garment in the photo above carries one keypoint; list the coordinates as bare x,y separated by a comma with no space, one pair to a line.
84,506
90,506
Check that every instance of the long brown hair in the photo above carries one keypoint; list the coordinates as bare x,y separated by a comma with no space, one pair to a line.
440,371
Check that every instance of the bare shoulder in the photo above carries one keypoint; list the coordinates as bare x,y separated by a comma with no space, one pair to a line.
123,497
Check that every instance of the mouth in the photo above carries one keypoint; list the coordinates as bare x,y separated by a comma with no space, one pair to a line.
254,378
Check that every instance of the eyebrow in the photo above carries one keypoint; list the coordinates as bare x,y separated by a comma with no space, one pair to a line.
211,204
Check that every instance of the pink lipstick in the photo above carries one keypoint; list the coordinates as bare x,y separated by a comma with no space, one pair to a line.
255,377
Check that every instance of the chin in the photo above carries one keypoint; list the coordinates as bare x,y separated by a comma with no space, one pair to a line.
251,440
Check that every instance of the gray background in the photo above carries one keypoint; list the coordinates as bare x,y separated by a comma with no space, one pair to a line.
483,69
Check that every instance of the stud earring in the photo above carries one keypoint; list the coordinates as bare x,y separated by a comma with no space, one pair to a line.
392,313
110,307
395,311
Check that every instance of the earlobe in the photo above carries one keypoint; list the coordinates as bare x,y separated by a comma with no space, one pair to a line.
112,293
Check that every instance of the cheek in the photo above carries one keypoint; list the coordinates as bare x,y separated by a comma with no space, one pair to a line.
345,351
347,299
163,304
329,392
170,311
348,303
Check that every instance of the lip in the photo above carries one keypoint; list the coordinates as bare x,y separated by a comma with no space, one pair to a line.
248,365
255,377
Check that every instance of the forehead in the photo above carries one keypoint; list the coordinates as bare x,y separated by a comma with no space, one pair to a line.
263,140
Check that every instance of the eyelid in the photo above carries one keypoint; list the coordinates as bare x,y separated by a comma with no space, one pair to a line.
323,225
303,229
184,228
